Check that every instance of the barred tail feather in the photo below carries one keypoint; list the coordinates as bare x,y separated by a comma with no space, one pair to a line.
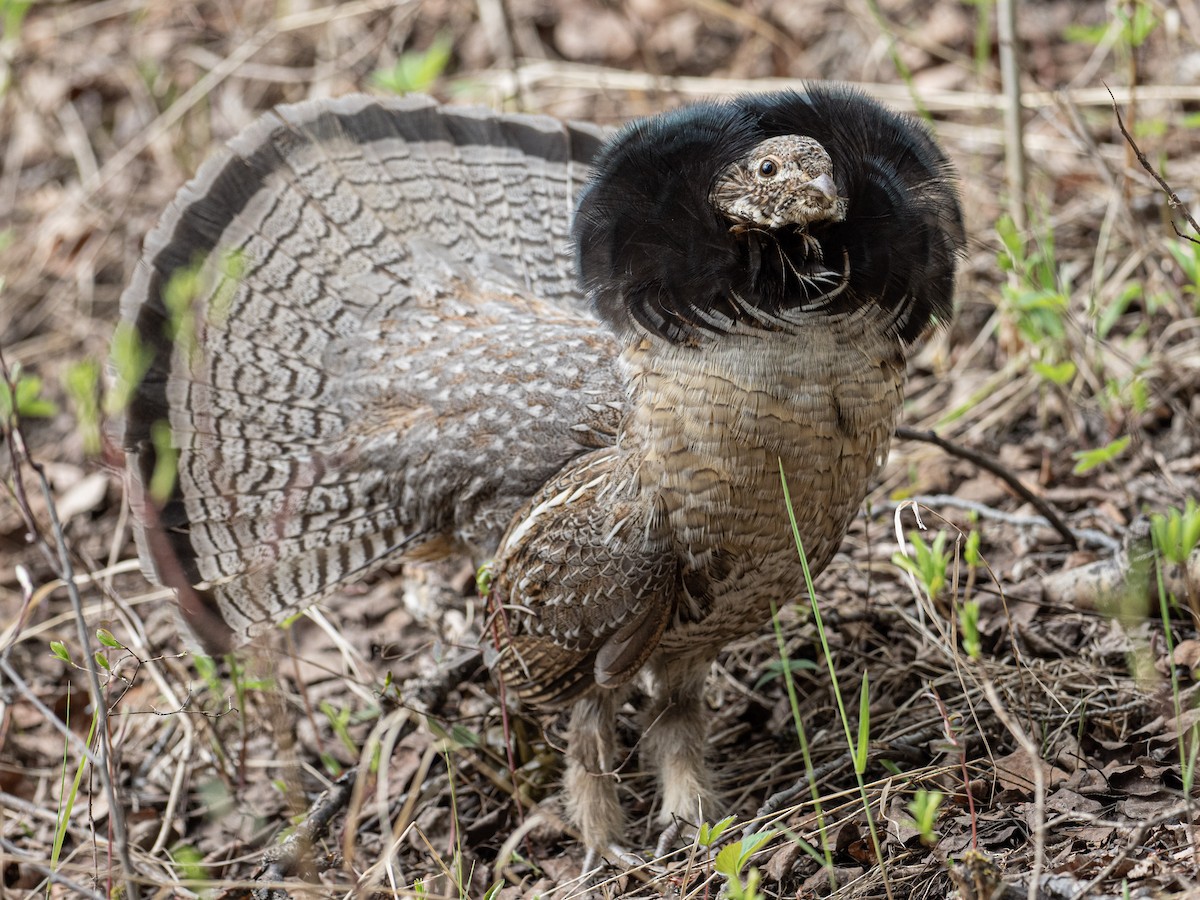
254,297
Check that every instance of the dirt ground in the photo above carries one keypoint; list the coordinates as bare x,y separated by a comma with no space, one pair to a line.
1064,747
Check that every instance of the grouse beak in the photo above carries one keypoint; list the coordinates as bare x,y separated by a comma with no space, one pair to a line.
823,185
822,200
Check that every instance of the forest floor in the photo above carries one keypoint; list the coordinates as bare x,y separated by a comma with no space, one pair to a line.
1047,692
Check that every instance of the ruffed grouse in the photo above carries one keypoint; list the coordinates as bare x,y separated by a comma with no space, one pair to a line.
409,331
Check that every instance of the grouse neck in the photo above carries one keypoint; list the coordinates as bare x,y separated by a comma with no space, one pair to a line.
711,423
838,379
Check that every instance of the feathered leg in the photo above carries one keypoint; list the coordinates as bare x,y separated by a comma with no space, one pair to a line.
590,782
674,743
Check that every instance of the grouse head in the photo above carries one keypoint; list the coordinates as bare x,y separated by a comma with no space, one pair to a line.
782,181
764,211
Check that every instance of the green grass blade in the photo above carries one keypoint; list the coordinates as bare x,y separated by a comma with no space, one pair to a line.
864,726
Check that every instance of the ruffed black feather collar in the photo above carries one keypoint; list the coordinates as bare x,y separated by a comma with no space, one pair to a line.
655,255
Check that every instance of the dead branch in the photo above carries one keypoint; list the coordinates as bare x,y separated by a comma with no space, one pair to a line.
990,465
1172,197
281,861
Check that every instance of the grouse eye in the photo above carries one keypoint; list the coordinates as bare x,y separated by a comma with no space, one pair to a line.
768,168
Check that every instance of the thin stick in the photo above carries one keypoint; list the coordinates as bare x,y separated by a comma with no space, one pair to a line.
988,464
1039,783
1135,842
102,760
282,860
544,73
1172,197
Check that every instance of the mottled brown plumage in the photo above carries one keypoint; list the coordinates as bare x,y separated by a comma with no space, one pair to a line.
783,181
402,367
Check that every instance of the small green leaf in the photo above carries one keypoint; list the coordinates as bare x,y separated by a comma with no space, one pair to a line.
24,397
332,766
774,669
230,269
59,649
416,70
105,637
30,403
1085,34
179,297
1150,128
82,384
924,808
206,667
465,737
732,859
1086,460
166,463
1057,374
710,834
928,563
1188,258
102,660
483,579
971,550
1141,25
1139,395
1117,308
13,12
1191,529
727,860
1010,237
131,361
968,619
190,862
1176,533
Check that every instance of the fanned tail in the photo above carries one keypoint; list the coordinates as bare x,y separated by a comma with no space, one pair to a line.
327,240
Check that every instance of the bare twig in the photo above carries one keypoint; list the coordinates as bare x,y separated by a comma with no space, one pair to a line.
1087,537
102,760
990,465
781,798
1039,781
282,860
116,816
1172,197
563,75
1136,841
952,740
